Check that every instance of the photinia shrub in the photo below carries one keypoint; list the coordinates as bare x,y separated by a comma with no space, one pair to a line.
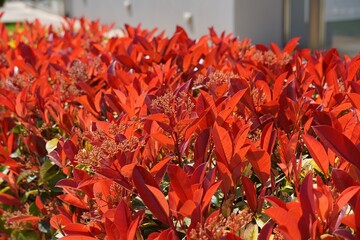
148,136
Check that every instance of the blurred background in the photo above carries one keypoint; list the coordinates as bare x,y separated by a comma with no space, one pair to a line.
320,23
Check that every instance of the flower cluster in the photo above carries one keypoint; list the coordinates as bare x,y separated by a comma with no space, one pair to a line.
270,58
214,79
78,72
217,227
8,216
171,104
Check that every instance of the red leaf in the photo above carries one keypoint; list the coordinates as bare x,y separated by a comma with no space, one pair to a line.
231,236
168,234
127,170
87,103
287,221
223,144
250,193
134,225
260,160
55,158
39,203
355,99
122,219
307,202
20,107
342,179
268,137
275,48
25,67
58,221
266,231
278,86
241,138
70,150
318,152
23,218
4,101
201,146
230,104
179,182
198,174
357,216
225,175
208,195
275,201
77,237
76,228
5,159
160,200
8,199
355,86
151,195
291,146
66,183
339,143
159,170
159,117
37,145
102,188
353,68
73,200
187,62
88,181
111,231
113,103
291,45
127,61
187,208
163,140
345,197
349,221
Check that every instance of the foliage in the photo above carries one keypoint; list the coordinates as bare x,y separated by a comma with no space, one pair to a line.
145,136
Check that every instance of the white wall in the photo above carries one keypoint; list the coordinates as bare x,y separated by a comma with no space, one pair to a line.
163,14
261,20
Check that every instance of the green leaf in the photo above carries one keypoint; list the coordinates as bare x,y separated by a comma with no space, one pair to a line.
33,210
45,167
19,129
27,235
53,180
47,171
28,194
4,189
28,175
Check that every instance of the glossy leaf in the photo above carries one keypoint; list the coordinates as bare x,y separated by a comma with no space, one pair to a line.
339,143
223,144
180,183
260,160
151,195
8,199
250,193
317,151
77,237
